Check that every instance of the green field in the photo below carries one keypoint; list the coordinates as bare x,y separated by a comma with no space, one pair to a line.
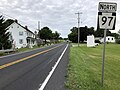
84,70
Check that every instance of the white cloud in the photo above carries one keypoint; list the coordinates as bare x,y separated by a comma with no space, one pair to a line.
57,14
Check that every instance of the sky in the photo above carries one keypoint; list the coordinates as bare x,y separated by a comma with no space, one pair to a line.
58,15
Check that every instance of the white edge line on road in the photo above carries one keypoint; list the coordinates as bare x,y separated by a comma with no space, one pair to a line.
53,69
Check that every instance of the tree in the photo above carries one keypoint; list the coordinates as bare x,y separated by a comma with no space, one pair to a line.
118,38
84,32
73,35
119,32
45,33
55,35
100,33
115,35
8,22
60,38
5,43
65,38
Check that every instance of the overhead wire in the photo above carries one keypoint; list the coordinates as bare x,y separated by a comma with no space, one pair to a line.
10,17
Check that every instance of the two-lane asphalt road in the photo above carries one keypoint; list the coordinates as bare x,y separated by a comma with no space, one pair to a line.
31,70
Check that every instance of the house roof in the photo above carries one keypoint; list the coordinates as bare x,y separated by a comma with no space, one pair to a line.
26,28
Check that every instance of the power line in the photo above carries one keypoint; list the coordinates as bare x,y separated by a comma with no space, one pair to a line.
6,15
13,18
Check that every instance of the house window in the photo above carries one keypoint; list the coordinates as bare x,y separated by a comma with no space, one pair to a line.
21,41
108,38
30,34
21,33
112,38
11,26
17,26
27,33
33,42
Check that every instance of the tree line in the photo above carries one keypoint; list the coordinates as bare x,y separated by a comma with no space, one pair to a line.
85,31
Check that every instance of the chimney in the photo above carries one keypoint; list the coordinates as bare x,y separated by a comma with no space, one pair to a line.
16,20
26,27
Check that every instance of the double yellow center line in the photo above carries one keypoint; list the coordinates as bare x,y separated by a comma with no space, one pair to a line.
26,58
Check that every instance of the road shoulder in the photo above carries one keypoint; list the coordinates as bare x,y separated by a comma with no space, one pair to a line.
57,81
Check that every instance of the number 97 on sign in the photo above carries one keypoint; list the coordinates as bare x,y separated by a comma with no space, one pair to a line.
107,20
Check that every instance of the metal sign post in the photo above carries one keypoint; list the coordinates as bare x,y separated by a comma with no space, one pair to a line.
103,56
78,29
106,21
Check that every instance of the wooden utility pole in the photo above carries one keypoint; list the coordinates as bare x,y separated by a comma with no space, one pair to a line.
78,26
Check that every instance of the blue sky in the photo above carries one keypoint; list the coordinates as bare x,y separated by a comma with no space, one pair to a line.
58,15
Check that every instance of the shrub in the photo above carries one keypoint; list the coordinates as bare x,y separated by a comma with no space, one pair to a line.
97,41
118,41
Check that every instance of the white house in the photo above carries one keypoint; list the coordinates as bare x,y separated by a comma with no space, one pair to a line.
109,39
21,36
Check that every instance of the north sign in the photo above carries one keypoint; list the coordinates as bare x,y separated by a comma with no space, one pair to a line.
107,7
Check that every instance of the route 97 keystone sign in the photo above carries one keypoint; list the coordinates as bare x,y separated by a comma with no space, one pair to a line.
107,15
107,20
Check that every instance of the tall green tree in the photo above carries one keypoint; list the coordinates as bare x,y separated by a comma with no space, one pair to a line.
5,43
84,32
8,22
55,35
45,33
73,36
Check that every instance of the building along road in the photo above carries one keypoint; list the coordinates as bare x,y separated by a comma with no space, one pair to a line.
40,69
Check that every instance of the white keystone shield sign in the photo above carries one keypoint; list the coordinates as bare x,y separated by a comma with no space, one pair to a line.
107,20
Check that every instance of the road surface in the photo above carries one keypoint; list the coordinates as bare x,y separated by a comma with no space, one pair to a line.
29,70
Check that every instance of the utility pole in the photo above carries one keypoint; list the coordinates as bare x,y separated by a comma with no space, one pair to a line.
78,26
38,25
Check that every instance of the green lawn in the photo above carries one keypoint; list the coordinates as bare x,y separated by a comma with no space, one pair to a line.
20,50
84,71
27,49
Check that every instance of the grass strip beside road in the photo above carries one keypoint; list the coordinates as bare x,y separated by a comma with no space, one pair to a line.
2,54
19,50
84,71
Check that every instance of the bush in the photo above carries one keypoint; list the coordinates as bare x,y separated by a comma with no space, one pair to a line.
118,41
7,45
97,41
